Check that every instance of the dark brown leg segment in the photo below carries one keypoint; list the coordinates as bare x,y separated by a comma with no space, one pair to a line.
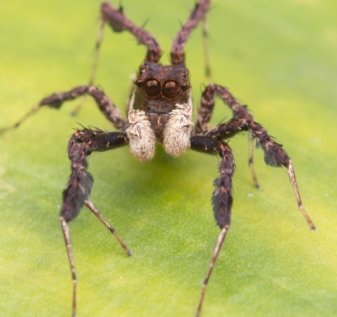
235,125
221,199
56,100
198,14
119,22
242,120
103,102
207,105
274,155
251,159
82,144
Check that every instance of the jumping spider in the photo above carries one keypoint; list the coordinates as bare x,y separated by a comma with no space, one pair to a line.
160,110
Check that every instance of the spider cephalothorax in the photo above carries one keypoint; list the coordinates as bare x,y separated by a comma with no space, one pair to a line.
166,84
160,110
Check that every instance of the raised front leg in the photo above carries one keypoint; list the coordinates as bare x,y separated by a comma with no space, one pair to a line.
198,14
55,100
76,195
119,22
221,199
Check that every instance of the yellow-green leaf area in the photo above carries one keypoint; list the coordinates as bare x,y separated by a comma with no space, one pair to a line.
279,58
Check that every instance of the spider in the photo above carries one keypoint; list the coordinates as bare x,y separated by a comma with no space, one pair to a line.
160,110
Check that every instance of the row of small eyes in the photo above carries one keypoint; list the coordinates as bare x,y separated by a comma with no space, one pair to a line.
169,89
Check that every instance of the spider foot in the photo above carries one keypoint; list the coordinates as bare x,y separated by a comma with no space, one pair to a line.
101,218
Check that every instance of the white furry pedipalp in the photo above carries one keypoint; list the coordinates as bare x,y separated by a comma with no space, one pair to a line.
141,136
178,129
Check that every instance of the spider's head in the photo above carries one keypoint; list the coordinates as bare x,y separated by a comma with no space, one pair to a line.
160,110
166,84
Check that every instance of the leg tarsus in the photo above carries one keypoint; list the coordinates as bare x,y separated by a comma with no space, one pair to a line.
100,216
208,72
216,252
70,254
91,80
23,119
293,181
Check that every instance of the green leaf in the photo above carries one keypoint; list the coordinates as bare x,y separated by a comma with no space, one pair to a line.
279,57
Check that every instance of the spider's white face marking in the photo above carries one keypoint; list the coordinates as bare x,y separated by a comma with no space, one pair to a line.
176,134
178,129
141,136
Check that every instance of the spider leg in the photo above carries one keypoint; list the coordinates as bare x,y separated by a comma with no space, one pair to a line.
119,22
55,100
91,80
242,120
206,107
98,44
205,112
205,36
274,155
251,159
82,144
198,14
221,199
90,205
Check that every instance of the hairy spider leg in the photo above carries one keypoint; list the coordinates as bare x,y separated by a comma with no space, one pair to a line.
55,100
205,112
221,199
274,154
76,195
119,22
198,14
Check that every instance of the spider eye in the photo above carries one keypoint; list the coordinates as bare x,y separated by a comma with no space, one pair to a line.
185,86
171,89
152,87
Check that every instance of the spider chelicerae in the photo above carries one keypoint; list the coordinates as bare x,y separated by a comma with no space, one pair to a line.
160,110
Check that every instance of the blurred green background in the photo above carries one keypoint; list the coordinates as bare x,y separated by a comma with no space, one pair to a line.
279,57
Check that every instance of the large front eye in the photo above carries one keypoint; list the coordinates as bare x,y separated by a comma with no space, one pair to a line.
171,89
152,87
